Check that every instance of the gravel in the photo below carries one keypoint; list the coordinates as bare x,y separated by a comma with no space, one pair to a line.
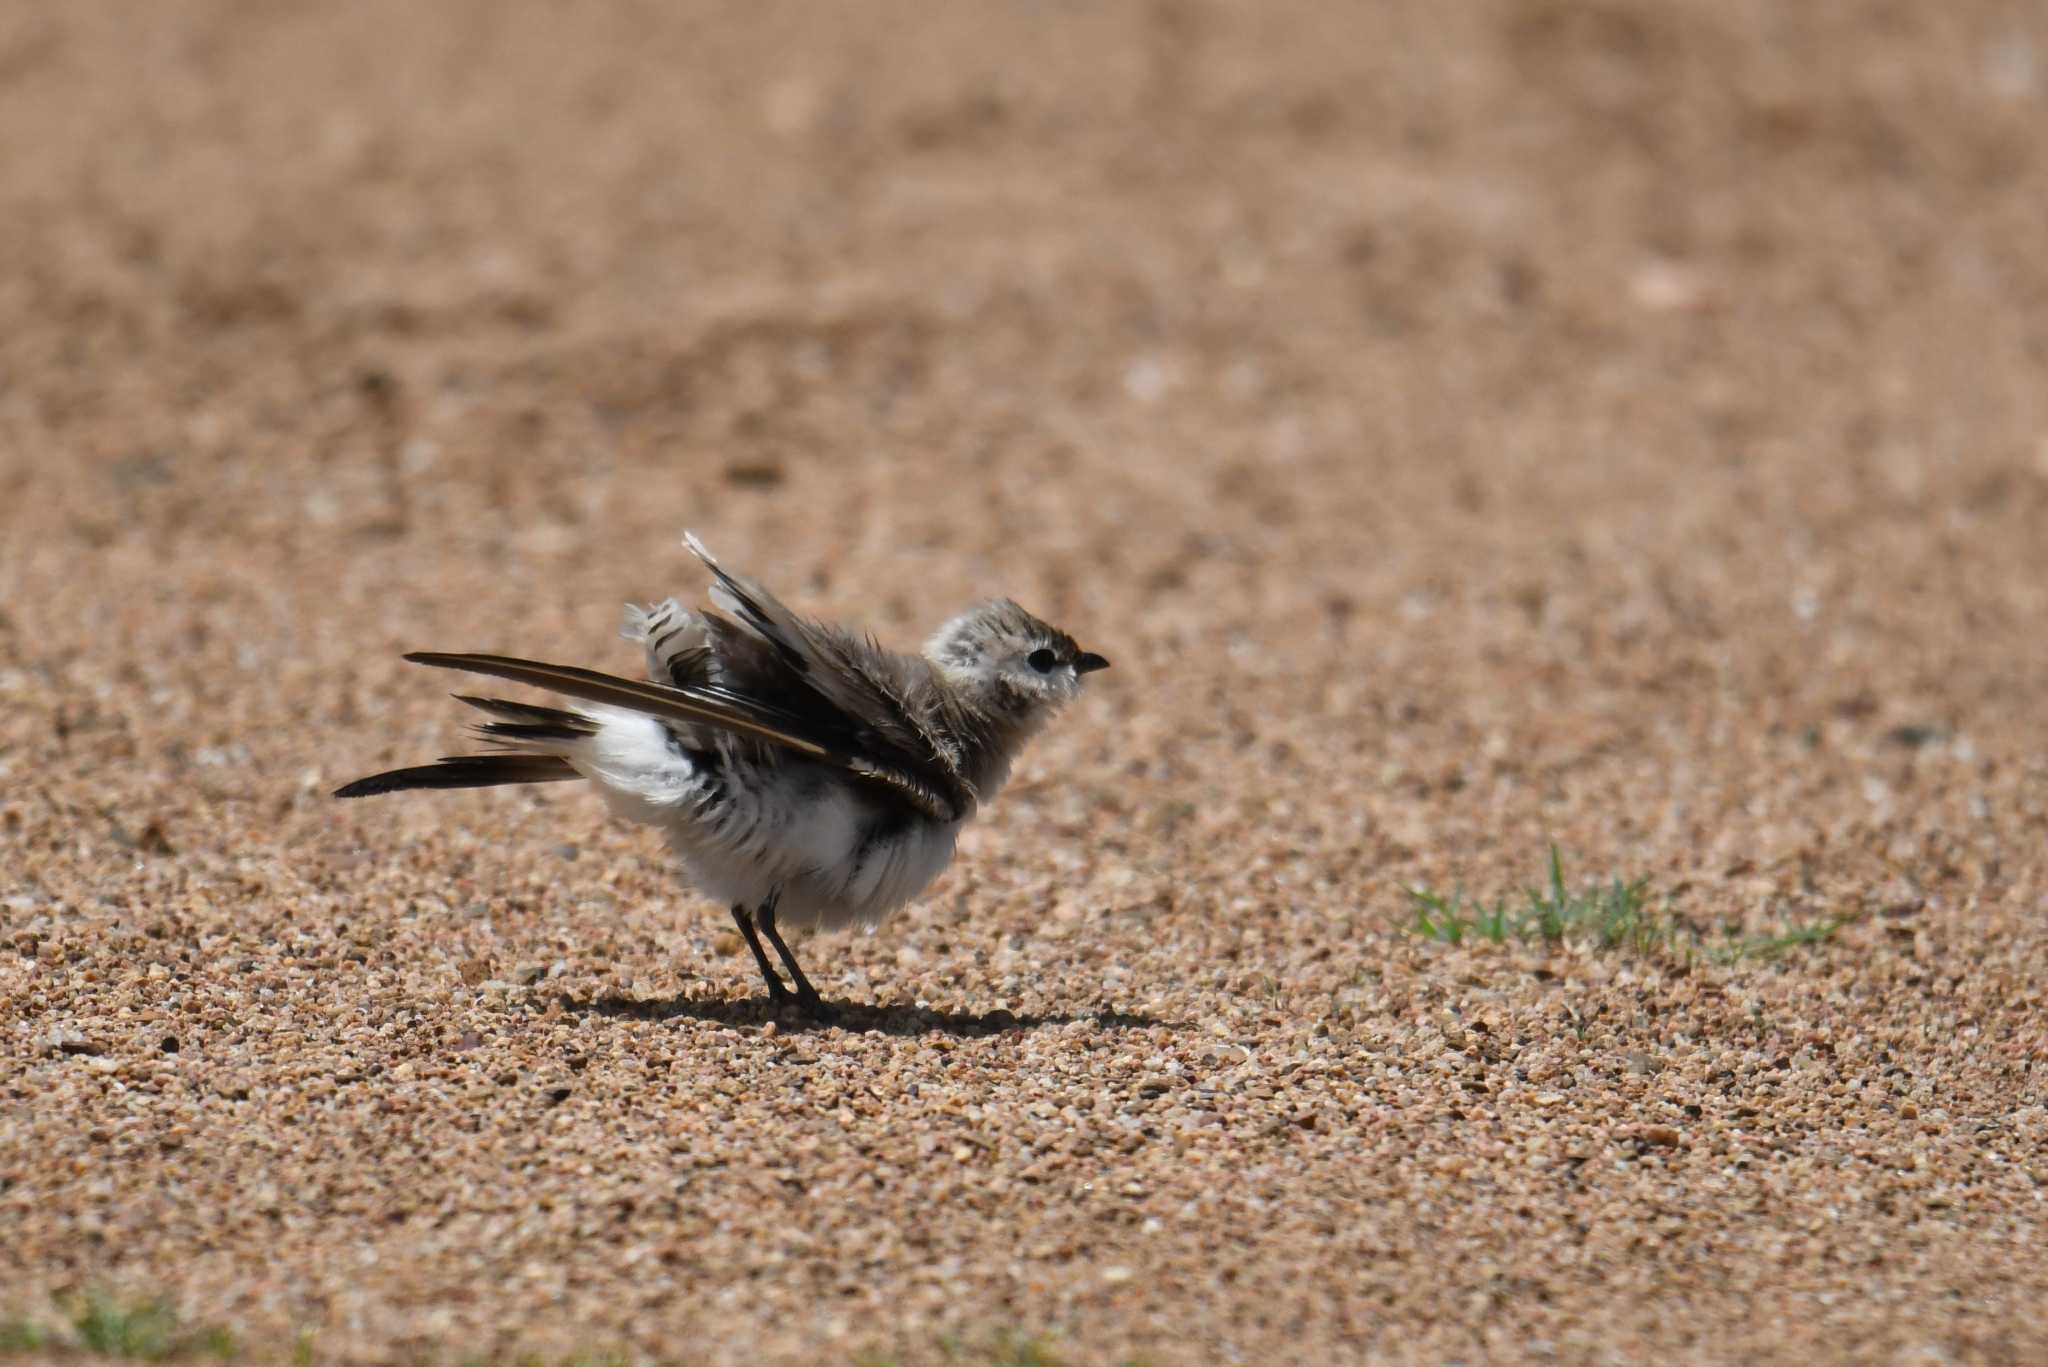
1466,431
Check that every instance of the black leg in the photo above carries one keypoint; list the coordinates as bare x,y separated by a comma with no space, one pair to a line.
806,995
776,991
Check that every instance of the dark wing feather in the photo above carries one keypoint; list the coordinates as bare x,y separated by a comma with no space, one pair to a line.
823,735
871,692
527,727
464,771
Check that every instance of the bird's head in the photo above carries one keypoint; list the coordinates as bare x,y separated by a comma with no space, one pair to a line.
1010,663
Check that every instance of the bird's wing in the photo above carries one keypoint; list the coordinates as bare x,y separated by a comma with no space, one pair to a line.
823,737
872,691
678,643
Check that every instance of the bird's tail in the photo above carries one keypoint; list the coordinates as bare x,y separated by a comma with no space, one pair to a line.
531,741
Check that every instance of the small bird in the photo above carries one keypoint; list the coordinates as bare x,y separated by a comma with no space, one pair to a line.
803,775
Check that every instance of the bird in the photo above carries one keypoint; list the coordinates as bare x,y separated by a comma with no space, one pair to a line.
803,775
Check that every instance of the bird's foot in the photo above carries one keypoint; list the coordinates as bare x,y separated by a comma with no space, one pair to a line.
814,1006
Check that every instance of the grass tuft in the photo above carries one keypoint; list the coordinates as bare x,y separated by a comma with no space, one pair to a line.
1614,915
1737,948
99,1324
1004,1348
582,1357
1021,1350
19,1335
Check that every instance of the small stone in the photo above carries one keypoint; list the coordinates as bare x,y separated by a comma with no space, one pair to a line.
63,1039
753,475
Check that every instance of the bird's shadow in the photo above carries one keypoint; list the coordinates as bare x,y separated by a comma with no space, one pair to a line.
892,1019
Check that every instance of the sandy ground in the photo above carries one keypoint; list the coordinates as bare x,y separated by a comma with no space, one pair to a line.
1466,427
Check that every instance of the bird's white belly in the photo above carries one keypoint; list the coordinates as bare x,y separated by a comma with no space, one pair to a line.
825,869
823,849
824,843
894,872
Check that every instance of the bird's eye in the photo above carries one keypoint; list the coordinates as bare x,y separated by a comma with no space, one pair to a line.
1042,660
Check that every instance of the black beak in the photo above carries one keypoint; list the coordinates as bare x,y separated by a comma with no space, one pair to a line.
1087,662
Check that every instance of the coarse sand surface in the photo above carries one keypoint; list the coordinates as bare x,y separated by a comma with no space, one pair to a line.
1468,428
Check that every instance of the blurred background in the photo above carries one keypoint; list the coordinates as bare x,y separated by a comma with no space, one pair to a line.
1325,360
1371,363
1404,396
1621,423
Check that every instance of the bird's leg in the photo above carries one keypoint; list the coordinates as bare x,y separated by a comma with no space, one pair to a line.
776,991
806,995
